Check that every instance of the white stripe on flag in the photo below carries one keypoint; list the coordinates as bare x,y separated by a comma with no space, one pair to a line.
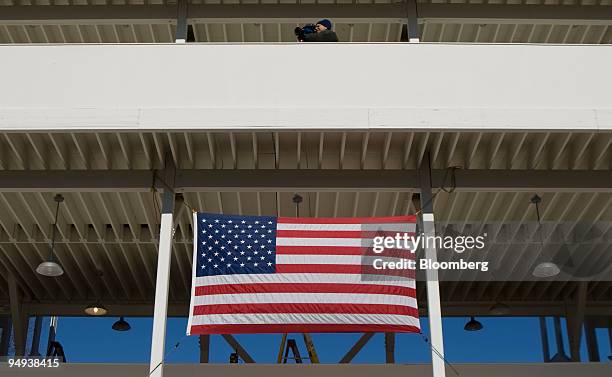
305,318
314,298
350,242
392,227
330,242
302,277
334,259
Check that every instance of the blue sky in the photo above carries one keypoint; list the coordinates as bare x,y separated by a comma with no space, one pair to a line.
502,340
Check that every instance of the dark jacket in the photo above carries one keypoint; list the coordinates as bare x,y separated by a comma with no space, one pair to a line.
322,36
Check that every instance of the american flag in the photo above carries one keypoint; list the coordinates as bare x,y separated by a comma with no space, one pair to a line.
260,274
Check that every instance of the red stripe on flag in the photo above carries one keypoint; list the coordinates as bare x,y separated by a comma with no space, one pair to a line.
347,220
364,288
270,308
339,233
321,250
297,328
343,250
341,269
319,268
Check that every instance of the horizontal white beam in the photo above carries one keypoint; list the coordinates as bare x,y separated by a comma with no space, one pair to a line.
274,13
487,87
100,118
304,180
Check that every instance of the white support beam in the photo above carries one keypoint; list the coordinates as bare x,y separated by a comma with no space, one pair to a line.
289,13
434,310
290,180
156,99
162,284
18,316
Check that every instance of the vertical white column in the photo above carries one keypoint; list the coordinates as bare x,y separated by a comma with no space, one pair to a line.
433,287
162,283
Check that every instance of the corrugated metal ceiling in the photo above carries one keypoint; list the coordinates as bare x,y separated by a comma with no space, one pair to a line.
115,232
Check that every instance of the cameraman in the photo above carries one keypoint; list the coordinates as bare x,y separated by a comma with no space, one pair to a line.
322,33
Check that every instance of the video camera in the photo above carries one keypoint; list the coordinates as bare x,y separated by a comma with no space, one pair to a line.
300,32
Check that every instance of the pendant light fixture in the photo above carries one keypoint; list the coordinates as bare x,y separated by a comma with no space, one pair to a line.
50,267
297,199
473,325
121,325
96,309
499,308
545,269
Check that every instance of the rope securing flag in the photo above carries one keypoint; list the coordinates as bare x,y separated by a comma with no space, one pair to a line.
260,274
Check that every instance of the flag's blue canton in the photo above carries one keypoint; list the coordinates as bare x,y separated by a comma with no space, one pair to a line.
235,244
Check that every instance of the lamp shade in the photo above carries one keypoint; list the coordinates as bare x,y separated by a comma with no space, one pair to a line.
121,325
49,268
96,309
546,270
473,325
499,308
